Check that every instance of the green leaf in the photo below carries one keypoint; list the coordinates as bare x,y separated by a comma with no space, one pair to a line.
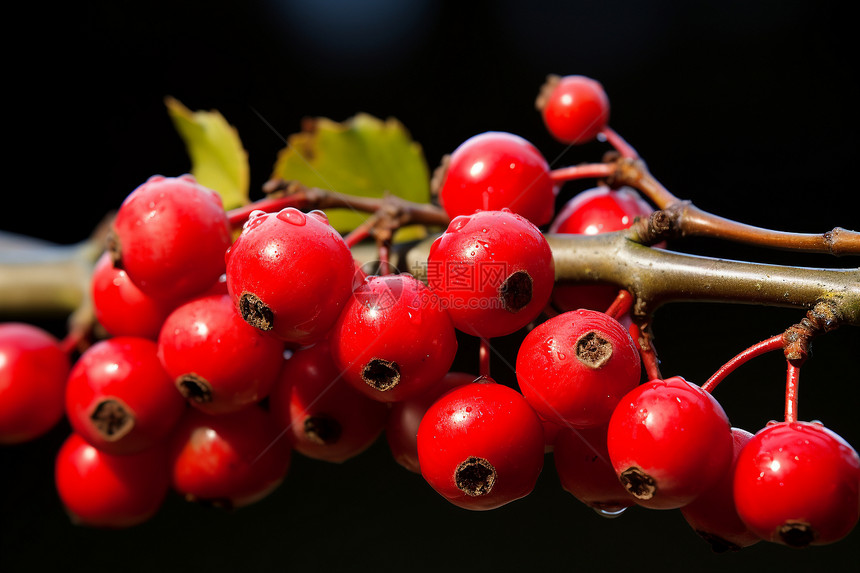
218,160
363,156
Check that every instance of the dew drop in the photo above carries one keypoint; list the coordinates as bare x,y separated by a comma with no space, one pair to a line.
292,216
609,513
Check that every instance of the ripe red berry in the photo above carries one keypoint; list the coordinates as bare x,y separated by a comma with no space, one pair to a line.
218,361
230,460
574,108
391,341
493,271
290,273
106,491
170,235
496,170
33,372
324,417
669,441
585,471
575,367
797,484
481,446
401,431
713,515
119,398
597,210
121,307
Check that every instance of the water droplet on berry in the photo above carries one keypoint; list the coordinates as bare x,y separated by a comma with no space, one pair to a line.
292,216
609,513
319,215
458,223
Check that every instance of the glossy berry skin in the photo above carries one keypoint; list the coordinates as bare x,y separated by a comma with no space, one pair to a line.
170,235
391,341
290,273
575,367
119,398
481,446
401,431
495,170
713,515
325,417
669,441
229,460
797,484
33,372
574,108
121,307
106,491
218,361
591,212
492,270
584,470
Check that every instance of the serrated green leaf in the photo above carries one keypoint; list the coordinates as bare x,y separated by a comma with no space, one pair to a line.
218,160
363,156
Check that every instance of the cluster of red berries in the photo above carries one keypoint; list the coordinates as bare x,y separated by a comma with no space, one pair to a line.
228,352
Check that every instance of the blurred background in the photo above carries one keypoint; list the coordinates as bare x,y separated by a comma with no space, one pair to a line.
748,108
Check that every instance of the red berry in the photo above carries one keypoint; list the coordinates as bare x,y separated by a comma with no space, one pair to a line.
218,361
102,490
119,398
575,367
574,108
713,515
230,460
290,273
496,170
325,417
585,471
493,271
121,307
33,372
797,484
391,341
170,236
669,441
481,446
401,432
590,212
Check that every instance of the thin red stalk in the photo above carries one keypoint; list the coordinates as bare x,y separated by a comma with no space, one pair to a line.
619,143
73,341
360,233
484,358
239,215
772,343
620,305
384,254
792,384
589,170
647,354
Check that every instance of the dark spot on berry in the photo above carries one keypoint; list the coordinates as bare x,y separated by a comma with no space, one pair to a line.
195,388
796,533
475,476
593,350
381,374
322,429
255,311
112,419
515,292
638,483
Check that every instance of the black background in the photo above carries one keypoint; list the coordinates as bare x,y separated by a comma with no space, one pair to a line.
747,108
